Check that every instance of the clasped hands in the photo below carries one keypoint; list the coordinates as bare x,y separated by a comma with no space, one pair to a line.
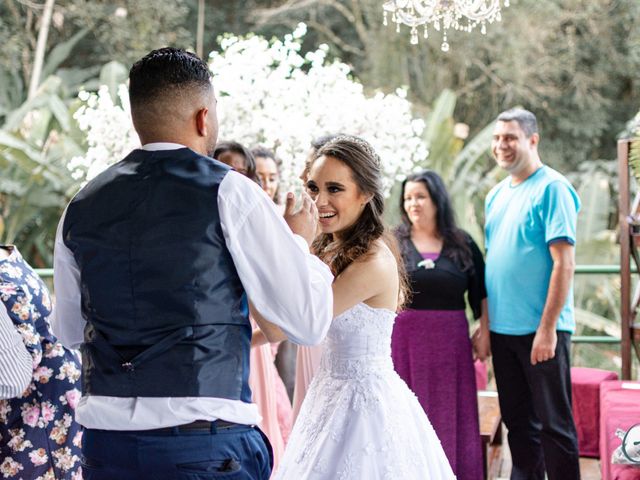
304,220
481,344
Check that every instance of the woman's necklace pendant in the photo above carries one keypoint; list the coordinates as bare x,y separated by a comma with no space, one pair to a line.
427,264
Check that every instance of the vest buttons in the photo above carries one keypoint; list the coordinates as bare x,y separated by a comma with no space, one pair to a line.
128,366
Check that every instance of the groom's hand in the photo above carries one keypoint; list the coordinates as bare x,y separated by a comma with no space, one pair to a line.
304,221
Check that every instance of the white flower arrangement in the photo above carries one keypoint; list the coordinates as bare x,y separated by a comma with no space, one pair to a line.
269,94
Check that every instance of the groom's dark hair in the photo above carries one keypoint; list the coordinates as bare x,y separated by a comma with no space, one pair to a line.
164,73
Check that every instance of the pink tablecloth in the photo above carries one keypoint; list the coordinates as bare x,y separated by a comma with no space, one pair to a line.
619,408
585,386
481,374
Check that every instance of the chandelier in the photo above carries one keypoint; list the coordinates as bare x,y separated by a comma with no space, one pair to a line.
464,15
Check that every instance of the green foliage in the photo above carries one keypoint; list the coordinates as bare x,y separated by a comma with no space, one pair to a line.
112,75
83,36
467,169
597,297
125,30
573,62
439,134
61,53
36,184
634,150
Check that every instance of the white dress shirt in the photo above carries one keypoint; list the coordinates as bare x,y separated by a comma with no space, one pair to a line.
288,285
16,365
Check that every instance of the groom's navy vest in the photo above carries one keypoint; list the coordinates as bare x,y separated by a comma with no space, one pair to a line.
166,312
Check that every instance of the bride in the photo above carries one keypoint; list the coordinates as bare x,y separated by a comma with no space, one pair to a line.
359,420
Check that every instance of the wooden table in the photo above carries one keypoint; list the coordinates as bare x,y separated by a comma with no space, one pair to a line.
490,427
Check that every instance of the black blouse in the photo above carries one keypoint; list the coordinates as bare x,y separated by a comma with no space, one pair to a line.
443,286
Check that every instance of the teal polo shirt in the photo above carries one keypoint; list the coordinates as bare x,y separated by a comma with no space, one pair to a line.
521,222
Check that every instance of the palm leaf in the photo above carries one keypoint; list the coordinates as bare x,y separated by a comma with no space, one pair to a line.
112,75
14,142
470,155
442,110
61,52
597,322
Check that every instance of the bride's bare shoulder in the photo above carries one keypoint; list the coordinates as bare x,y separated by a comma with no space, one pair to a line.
379,259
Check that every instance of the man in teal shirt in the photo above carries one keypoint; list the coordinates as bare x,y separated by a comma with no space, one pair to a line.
530,226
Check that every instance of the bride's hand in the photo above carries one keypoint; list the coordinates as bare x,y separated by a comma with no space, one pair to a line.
304,221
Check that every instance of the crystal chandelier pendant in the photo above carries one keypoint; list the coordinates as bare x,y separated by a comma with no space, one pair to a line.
445,45
414,36
443,15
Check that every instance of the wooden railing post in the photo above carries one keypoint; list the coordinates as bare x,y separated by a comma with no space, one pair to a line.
624,202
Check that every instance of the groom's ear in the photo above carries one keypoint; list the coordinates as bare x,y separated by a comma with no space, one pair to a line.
202,125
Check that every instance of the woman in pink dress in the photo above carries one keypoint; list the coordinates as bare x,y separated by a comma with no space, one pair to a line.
265,384
268,173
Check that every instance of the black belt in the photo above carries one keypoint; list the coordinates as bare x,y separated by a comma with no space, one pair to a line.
198,426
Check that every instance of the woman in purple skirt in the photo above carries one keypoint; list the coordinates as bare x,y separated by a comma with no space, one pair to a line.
430,345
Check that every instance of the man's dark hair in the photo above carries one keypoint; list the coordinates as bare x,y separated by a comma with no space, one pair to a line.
526,120
165,70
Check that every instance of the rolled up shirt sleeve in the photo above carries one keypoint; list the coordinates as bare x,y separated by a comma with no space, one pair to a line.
559,211
16,365
288,285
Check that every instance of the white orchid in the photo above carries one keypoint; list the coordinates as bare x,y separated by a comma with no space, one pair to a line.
269,94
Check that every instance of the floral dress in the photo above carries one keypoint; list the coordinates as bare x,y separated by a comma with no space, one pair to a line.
39,438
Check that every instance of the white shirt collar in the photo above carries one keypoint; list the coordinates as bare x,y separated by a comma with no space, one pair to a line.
155,146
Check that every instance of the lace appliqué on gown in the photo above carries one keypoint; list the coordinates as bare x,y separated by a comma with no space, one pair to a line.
359,419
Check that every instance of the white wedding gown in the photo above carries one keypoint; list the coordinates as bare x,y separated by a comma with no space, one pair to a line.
359,419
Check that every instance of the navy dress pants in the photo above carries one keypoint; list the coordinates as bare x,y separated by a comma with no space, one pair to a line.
535,402
235,453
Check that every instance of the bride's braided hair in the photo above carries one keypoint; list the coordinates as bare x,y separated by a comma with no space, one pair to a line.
358,239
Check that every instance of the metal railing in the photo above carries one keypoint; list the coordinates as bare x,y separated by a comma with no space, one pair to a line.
580,270
598,270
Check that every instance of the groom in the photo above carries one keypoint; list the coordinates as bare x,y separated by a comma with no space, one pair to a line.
154,261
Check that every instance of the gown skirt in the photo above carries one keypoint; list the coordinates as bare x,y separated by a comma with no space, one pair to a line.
359,419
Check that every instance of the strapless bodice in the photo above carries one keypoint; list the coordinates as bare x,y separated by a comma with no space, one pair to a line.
359,342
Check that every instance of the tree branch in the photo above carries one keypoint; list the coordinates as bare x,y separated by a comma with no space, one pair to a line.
358,22
488,72
262,16
334,38
34,6
40,48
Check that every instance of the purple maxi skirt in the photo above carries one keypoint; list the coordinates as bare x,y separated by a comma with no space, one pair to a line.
431,351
